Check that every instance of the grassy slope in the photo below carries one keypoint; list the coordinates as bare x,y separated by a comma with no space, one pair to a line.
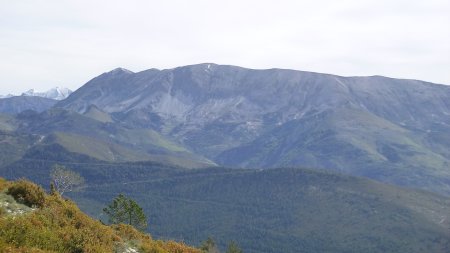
13,145
285,210
111,150
97,114
7,123
59,226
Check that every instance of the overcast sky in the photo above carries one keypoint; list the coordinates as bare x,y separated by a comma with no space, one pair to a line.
66,43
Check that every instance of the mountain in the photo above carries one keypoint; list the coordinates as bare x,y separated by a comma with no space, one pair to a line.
158,136
32,221
18,104
387,129
56,93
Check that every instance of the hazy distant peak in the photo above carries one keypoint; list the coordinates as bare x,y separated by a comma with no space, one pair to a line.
56,93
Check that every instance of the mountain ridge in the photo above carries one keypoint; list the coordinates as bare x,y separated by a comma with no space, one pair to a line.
215,109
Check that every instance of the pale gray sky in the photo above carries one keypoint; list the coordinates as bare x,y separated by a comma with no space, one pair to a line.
47,43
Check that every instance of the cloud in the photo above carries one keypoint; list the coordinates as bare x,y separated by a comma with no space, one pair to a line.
65,43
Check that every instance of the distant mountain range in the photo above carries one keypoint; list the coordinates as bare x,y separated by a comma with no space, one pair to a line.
56,93
32,100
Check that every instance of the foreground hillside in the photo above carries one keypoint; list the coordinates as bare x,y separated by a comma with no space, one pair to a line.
37,222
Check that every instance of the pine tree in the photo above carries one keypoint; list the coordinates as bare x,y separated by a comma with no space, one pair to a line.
209,246
233,248
127,211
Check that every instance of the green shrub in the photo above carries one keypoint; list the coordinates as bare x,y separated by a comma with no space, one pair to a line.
27,193
3,184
